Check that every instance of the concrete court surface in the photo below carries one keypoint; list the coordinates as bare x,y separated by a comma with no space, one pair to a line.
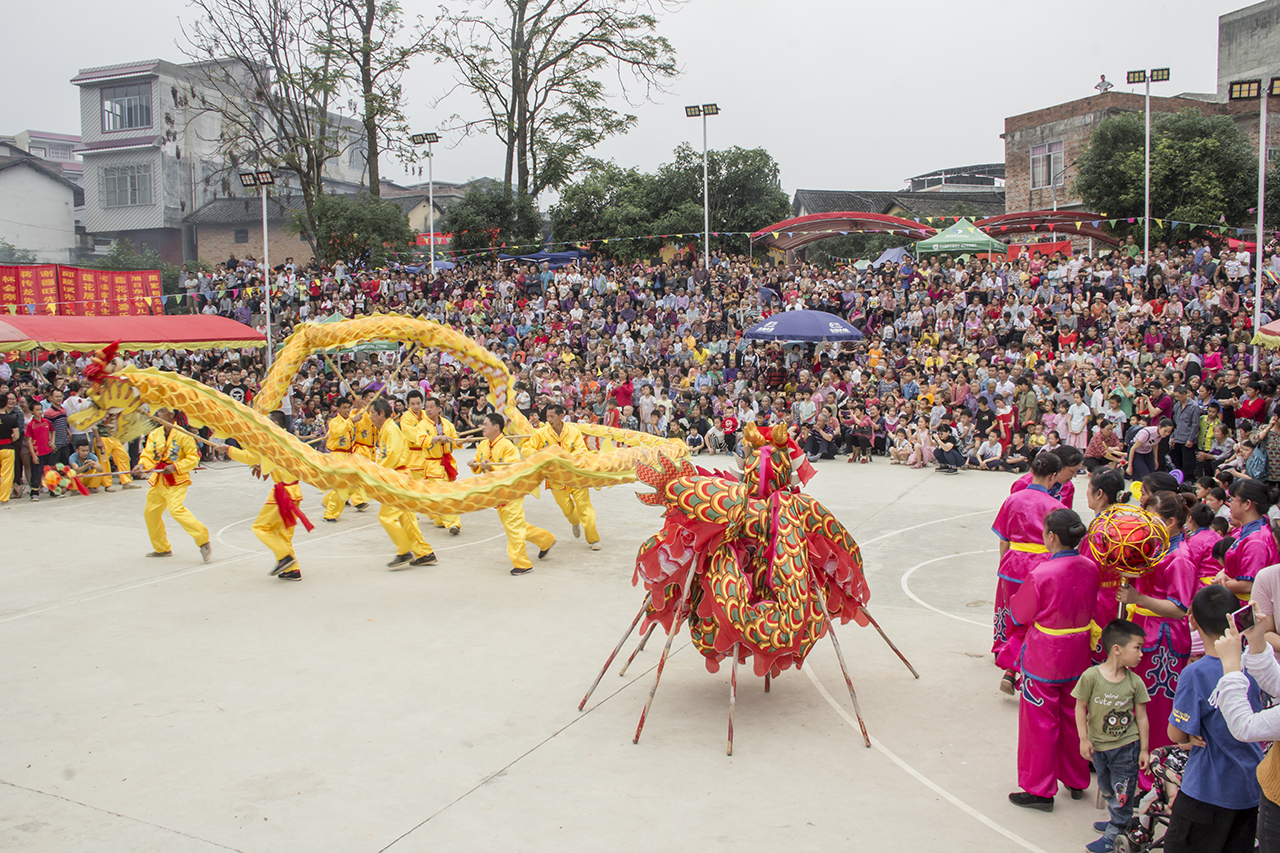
170,705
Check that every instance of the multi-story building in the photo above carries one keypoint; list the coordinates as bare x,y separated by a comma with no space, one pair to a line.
58,148
1042,146
152,154
37,206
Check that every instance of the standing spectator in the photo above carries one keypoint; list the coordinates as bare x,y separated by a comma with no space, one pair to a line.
10,437
40,447
1186,430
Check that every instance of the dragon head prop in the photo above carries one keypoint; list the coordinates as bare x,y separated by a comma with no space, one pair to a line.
116,405
768,470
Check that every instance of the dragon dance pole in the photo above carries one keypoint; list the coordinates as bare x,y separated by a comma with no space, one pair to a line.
614,653
831,629
885,637
766,682
733,696
643,640
662,661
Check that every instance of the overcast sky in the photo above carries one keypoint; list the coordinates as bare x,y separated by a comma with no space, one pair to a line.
844,95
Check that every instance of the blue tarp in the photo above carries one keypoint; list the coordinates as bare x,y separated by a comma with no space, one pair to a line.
554,259
803,326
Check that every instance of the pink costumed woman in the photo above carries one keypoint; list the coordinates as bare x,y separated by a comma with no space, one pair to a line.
1158,601
1255,547
1056,604
1020,526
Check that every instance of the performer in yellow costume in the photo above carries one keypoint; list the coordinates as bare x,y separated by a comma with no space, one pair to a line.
280,514
172,455
109,450
392,451
436,439
341,439
497,450
366,433
574,503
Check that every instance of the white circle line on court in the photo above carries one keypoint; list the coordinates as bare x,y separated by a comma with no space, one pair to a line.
922,524
920,777
918,600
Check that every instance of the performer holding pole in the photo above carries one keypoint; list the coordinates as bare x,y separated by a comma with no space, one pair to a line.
173,455
433,439
574,503
341,439
495,449
281,513
392,452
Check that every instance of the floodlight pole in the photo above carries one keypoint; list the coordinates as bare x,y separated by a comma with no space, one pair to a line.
266,271
1262,199
431,207
1146,211
706,201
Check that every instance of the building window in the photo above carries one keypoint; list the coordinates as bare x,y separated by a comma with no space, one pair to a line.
60,152
36,151
355,154
123,186
126,107
242,235
1046,165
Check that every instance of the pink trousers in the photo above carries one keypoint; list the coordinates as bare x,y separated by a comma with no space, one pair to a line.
1048,747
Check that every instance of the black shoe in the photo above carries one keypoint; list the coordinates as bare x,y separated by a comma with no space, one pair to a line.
294,575
523,571
1076,793
331,520
286,562
546,550
425,560
362,507
1031,801
400,560
155,553
1007,684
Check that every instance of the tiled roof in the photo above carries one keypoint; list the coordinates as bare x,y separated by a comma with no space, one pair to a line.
111,72
238,211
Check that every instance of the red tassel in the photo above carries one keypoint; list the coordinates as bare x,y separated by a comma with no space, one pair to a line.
450,466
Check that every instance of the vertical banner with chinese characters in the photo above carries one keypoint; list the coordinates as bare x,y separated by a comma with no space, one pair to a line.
47,289
155,292
137,294
94,296
119,289
71,300
8,290
27,290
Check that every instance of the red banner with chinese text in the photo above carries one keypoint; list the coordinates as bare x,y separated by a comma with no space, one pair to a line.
49,289
9,290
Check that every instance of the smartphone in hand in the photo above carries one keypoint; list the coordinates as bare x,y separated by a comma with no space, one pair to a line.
1243,618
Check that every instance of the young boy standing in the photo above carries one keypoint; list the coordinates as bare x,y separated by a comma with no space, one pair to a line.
1217,808
1111,720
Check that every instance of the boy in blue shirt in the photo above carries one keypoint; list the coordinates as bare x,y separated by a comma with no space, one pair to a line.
1217,807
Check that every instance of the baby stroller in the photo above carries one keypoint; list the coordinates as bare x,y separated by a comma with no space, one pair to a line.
1151,816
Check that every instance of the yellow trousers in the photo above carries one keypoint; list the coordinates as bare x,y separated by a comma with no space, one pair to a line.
576,506
160,498
402,527
434,470
93,482
111,452
271,531
8,457
335,501
519,532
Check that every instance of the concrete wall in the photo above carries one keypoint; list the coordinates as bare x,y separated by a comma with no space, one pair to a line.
38,214
1249,45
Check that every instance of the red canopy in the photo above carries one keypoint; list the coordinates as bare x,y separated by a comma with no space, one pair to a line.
802,230
134,332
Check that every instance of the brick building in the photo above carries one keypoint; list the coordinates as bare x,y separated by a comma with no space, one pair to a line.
1042,146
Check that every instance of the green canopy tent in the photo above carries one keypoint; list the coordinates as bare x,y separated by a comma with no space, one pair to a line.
958,239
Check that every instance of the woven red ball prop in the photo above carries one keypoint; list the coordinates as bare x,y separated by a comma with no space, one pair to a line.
1126,541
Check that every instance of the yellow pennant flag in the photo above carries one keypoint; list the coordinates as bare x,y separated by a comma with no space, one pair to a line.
1078,224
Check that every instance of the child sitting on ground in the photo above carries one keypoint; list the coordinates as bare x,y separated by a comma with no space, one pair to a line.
1111,720
1217,807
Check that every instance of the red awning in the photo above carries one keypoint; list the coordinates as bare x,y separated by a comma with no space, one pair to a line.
140,332
1064,223
802,230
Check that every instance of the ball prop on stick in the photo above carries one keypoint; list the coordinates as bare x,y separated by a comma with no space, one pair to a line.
1126,542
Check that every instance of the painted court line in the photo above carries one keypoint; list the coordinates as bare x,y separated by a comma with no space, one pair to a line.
920,777
918,600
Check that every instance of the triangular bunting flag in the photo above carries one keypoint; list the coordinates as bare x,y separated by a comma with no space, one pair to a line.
1004,228
1159,223
1078,224
1097,223
775,235
1132,219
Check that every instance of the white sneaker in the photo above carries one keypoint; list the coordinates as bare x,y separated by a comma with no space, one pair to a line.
577,531
595,546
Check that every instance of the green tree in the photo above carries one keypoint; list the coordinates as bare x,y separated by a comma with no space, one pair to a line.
11,254
536,66
358,228
494,217
744,192
1202,168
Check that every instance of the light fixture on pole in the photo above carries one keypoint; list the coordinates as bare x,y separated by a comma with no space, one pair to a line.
262,179
430,139
693,112
1156,75
1253,90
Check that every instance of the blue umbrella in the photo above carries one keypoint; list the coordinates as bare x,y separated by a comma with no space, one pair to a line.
803,326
